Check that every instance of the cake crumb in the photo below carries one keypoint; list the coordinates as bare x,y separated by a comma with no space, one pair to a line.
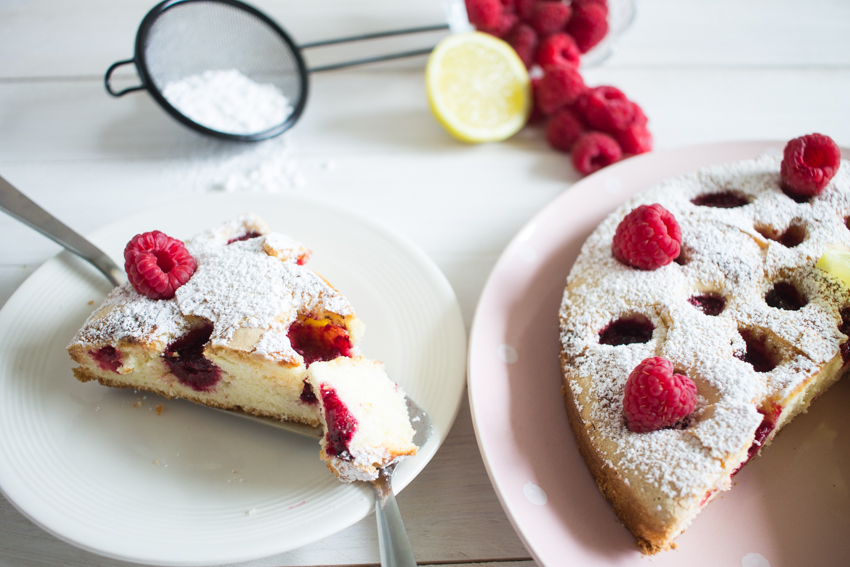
91,302
251,512
159,409
156,461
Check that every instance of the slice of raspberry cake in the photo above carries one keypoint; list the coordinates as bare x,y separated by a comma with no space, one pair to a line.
231,320
695,325
364,415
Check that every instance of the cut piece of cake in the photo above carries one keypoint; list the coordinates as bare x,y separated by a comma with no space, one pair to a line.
742,312
365,417
238,334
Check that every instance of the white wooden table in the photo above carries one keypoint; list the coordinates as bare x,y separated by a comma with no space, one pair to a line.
704,71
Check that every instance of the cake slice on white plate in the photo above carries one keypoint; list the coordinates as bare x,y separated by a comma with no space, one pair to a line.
234,320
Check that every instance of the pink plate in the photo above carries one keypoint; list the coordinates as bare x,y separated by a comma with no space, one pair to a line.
789,507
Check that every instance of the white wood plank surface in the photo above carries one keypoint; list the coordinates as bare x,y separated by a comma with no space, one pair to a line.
704,71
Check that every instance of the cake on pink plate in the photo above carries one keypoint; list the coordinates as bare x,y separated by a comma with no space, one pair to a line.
695,325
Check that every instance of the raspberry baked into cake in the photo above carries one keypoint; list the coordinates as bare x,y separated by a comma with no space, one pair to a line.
695,325
234,320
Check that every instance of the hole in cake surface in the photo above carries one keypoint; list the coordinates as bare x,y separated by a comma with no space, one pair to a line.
709,303
340,423
721,200
758,353
792,236
185,358
626,331
318,340
795,197
108,358
308,396
684,256
783,295
247,236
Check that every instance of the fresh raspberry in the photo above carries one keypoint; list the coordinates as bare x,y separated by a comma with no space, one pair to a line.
638,117
506,23
536,115
157,264
655,397
560,86
608,110
564,129
523,39
588,25
809,162
550,17
593,151
484,13
647,238
601,3
525,9
508,5
558,49
635,139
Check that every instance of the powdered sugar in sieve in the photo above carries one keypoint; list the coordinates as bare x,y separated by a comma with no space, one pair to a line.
228,101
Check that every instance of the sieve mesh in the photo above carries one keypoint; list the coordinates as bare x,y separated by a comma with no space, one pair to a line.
191,37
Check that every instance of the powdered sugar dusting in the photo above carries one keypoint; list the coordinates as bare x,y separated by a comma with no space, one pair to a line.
236,285
724,252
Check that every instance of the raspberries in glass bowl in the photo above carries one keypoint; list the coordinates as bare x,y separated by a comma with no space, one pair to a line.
551,38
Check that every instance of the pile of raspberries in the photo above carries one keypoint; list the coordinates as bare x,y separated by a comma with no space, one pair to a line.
597,125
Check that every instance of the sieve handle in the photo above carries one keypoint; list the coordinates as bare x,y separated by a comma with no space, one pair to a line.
107,80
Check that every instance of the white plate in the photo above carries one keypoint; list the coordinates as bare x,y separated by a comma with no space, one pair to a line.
194,486
788,508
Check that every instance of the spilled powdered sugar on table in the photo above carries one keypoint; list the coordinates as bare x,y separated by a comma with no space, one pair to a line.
228,101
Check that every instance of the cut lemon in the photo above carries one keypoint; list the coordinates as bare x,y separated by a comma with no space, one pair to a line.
478,87
836,261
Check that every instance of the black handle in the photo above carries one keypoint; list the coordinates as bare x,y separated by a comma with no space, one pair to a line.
108,78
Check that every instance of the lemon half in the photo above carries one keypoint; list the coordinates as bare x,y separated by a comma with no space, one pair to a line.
478,87
836,261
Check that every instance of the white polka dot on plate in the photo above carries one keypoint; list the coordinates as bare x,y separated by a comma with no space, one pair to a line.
754,560
613,185
507,353
535,494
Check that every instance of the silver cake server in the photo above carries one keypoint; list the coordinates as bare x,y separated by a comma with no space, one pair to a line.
392,537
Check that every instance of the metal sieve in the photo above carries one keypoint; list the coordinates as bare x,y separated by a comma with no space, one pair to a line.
180,39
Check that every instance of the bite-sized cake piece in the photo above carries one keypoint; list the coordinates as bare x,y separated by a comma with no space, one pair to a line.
231,321
365,417
695,325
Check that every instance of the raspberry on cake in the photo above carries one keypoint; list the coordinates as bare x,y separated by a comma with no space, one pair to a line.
647,238
808,164
365,417
675,378
655,397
